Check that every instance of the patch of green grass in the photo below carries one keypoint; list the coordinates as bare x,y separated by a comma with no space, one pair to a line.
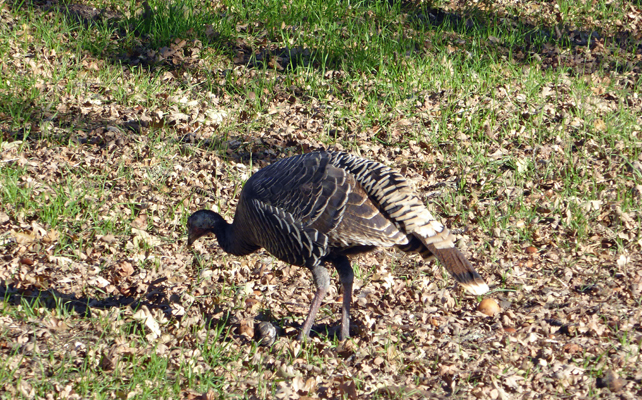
73,357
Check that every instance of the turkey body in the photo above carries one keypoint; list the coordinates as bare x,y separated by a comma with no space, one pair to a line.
320,207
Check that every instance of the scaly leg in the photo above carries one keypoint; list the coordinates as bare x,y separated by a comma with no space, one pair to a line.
346,275
322,281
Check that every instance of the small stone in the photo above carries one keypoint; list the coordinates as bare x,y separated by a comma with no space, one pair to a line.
611,380
265,334
488,307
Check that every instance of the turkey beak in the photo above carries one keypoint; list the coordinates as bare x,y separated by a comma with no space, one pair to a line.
193,234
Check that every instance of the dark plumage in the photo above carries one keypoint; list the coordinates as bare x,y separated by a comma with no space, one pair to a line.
320,207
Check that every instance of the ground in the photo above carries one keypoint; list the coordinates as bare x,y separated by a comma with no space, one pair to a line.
518,123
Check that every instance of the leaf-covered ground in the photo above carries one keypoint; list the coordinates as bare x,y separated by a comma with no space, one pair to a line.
519,123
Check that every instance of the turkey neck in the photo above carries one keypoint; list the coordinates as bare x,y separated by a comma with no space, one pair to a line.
231,241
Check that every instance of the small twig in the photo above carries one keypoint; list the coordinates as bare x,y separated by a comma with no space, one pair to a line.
562,282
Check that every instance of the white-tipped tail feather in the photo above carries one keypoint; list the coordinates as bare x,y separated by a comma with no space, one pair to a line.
476,288
443,247
460,268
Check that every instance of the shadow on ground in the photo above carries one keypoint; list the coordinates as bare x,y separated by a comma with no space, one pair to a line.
52,299
135,44
545,42
155,298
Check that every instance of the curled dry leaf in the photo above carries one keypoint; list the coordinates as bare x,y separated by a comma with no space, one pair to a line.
623,260
108,359
348,389
600,125
109,239
26,260
140,237
23,238
38,230
60,261
403,392
98,281
247,328
210,395
347,348
140,222
124,269
572,348
299,384
145,316
285,371
55,324
52,236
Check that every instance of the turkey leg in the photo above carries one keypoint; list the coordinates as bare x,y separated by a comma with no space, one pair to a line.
346,275
322,281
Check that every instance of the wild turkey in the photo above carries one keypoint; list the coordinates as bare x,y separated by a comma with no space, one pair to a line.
321,207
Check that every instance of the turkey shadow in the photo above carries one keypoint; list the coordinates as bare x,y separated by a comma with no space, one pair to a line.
52,299
155,298
41,124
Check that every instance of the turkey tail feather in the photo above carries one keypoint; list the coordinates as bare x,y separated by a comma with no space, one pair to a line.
443,247
461,269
